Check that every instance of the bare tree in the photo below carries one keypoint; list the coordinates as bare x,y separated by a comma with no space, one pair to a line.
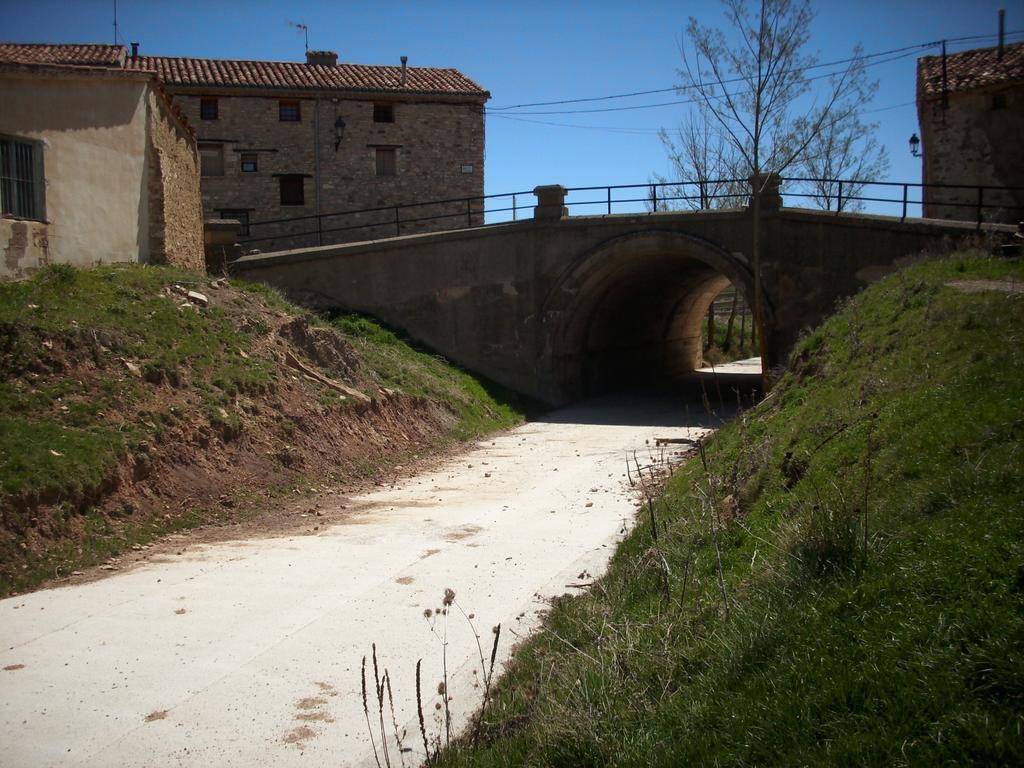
847,150
704,164
756,91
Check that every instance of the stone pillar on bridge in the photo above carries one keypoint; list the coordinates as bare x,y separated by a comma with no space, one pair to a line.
768,183
550,203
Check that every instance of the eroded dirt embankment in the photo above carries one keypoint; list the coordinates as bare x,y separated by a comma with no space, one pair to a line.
258,405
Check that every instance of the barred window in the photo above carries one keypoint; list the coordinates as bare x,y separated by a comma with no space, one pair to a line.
211,159
288,111
208,109
21,178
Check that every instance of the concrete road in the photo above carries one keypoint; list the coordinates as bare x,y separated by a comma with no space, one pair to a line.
248,652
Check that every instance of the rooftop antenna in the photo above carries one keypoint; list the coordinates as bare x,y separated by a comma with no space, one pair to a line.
1002,33
115,22
305,31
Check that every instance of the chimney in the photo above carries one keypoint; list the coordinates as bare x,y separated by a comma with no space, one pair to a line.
405,69
135,51
325,58
1002,31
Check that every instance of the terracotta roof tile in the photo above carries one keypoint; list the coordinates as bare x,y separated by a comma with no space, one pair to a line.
181,71
227,73
967,70
83,55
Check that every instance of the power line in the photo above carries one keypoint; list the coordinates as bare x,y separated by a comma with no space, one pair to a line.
911,48
677,88
894,106
648,131
577,101
675,102
608,128
894,54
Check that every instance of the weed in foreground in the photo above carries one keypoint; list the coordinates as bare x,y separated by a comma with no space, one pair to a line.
437,621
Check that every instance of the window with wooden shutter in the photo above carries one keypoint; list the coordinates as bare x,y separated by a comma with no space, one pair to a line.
292,189
387,161
211,159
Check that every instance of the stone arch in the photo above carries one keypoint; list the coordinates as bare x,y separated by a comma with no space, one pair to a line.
630,309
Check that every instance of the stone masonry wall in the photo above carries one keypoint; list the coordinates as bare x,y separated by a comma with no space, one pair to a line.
520,302
974,141
176,215
439,152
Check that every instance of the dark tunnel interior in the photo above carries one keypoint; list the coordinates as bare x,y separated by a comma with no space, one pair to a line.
640,326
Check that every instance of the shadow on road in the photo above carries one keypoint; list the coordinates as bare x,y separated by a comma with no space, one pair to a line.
704,399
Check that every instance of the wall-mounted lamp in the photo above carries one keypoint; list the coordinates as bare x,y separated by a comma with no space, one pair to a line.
915,145
339,132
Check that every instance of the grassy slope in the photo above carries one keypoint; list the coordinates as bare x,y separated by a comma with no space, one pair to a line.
90,314
62,437
719,352
416,372
904,412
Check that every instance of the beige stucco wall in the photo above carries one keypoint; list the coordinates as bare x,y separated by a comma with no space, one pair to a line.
176,215
94,138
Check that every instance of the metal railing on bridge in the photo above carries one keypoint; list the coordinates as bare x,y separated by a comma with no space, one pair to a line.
977,204
388,220
833,195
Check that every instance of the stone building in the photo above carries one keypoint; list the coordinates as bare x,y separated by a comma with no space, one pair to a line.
96,163
298,141
970,106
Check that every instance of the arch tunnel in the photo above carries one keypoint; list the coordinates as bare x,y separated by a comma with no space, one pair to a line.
631,312
556,309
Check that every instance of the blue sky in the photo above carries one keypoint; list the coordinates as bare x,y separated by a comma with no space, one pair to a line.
531,51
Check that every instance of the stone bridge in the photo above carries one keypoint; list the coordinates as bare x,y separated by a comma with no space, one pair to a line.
562,307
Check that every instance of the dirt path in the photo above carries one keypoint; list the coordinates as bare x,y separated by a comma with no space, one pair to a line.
248,652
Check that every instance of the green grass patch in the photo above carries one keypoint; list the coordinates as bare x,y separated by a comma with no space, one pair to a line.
722,343
99,537
63,435
867,523
396,363
47,459
725,349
